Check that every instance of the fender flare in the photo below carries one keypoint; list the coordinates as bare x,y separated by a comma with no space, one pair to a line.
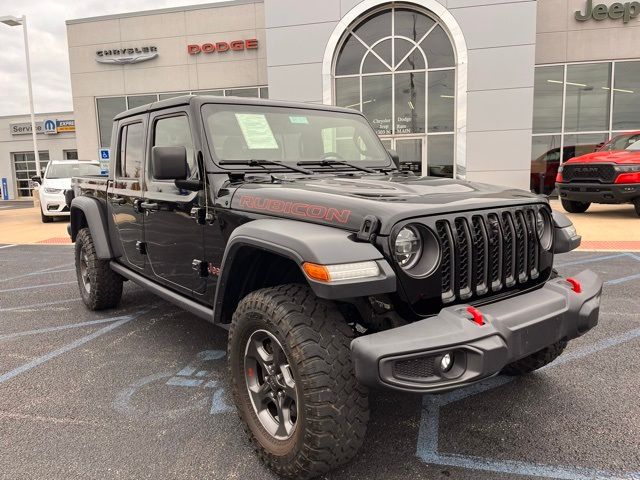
94,214
306,242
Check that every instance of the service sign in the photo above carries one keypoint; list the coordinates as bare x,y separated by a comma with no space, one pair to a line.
25,128
64,126
49,126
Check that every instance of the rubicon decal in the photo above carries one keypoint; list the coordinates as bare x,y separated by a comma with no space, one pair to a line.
299,209
221,47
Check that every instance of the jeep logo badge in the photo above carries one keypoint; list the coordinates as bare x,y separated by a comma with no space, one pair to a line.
617,10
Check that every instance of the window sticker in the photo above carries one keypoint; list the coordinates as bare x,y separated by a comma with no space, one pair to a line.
299,119
256,131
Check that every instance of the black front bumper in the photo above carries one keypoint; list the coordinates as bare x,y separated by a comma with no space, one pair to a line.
599,192
408,358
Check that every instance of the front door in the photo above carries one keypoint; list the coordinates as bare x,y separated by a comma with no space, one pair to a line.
125,192
174,238
412,152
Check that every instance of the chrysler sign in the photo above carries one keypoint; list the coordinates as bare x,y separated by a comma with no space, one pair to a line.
221,47
121,56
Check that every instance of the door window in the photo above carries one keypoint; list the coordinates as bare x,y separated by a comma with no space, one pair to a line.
175,132
131,150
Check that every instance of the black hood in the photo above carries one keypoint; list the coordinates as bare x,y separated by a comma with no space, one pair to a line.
344,201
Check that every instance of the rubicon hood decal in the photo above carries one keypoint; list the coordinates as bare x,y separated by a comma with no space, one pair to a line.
296,209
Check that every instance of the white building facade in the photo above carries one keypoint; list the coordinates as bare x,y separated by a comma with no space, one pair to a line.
452,85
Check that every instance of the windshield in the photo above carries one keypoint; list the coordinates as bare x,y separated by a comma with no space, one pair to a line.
259,132
634,146
68,170
622,142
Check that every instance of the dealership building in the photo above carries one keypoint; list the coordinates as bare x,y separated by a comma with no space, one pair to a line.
56,139
488,90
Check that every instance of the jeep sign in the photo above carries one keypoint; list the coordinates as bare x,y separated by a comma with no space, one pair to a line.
617,10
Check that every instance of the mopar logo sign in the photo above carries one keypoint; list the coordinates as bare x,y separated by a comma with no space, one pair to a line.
50,127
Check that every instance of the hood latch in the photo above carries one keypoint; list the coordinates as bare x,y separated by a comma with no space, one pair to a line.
368,229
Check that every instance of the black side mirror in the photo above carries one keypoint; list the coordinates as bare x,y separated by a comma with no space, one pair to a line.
36,179
395,158
169,163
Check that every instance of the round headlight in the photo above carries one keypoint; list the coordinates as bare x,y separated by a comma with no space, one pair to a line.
407,247
544,229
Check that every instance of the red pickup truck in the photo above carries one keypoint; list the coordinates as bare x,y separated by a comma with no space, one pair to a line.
610,175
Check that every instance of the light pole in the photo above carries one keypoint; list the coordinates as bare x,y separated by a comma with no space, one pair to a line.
14,22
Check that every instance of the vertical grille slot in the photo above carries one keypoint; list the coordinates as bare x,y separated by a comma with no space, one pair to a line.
522,240
480,255
532,251
510,254
447,264
496,241
465,258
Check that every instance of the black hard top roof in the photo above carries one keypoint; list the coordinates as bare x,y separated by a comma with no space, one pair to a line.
198,100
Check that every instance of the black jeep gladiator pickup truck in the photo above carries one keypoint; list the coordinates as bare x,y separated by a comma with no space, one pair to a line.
333,271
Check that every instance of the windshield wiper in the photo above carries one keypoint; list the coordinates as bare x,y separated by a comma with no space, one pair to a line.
329,163
263,163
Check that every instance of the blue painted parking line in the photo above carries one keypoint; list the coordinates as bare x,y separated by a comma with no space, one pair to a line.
62,327
31,287
589,260
184,382
427,447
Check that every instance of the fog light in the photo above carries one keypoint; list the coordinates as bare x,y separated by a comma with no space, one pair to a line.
446,362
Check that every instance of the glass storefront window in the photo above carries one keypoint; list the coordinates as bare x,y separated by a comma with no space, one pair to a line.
398,67
547,100
242,92
107,109
626,96
410,103
376,102
587,97
165,96
441,101
576,145
139,100
440,150
264,92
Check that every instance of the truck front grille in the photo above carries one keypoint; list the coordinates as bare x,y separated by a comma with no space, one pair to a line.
487,253
589,173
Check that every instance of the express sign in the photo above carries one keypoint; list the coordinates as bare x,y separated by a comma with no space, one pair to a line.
220,47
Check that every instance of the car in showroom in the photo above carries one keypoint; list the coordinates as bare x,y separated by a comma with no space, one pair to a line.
334,271
610,176
55,181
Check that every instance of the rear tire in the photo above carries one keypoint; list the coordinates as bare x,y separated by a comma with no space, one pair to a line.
636,204
536,360
331,408
573,206
45,218
100,287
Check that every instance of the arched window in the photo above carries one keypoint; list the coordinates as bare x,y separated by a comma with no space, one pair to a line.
397,65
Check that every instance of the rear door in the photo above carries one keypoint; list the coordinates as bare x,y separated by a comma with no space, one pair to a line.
174,238
124,192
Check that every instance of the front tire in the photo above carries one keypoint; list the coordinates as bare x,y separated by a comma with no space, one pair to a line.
100,287
45,218
537,360
573,206
290,360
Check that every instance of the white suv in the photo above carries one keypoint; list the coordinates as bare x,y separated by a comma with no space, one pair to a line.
57,179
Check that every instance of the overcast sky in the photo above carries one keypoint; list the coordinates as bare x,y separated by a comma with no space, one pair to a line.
48,48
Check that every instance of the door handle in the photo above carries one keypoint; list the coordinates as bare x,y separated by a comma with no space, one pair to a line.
118,200
148,206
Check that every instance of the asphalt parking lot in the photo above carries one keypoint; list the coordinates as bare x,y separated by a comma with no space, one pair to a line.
141,392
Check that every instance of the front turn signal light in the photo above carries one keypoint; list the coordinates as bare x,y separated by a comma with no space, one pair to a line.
342,271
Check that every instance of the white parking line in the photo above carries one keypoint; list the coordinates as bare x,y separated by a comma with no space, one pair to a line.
35,286
7,246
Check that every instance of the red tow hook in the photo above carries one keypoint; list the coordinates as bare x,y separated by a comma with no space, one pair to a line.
575,285
477,315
